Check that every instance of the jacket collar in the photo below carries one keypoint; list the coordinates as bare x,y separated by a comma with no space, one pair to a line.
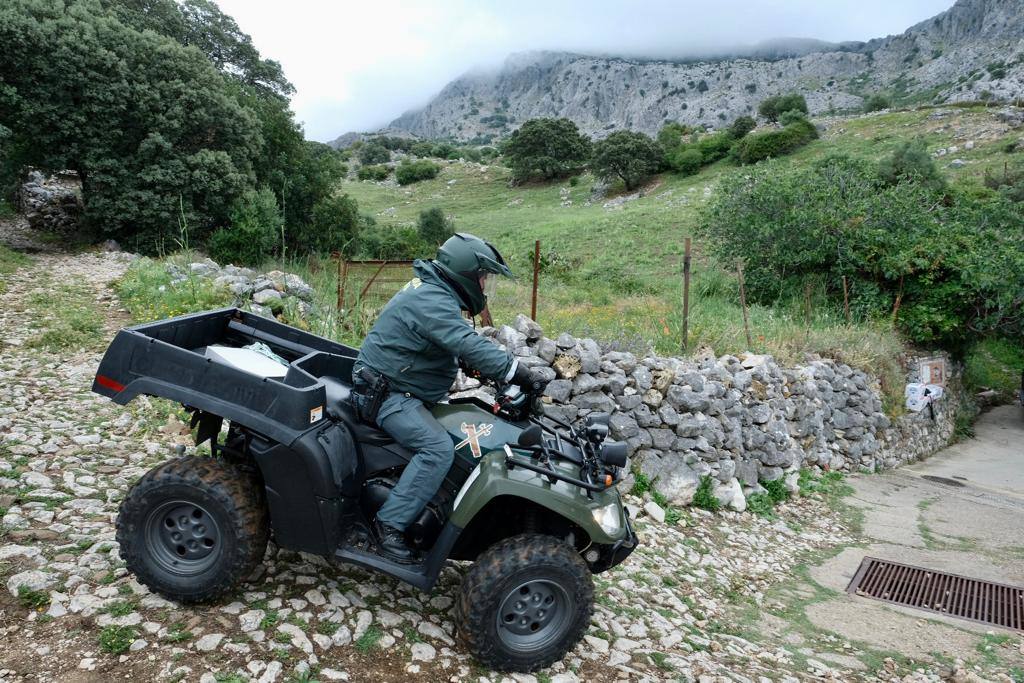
428,272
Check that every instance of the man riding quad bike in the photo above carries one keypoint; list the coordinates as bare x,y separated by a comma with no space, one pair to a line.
297,454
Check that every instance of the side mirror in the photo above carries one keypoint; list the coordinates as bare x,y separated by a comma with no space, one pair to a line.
531,436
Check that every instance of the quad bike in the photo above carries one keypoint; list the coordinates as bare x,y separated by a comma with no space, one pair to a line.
529,499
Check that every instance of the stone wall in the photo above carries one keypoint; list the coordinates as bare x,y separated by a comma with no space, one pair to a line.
52,204
742,420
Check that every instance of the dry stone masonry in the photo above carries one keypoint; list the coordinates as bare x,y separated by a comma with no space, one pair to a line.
742,421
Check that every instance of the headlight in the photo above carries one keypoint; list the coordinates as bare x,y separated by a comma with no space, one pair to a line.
609,518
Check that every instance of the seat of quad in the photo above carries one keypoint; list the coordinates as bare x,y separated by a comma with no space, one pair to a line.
339,407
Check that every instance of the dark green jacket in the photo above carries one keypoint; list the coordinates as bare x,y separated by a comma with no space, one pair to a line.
420,336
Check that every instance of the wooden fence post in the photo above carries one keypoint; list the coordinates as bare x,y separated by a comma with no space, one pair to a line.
743,304
686,293
342,277
846,300
536,275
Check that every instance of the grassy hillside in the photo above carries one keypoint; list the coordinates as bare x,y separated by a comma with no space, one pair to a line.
615,268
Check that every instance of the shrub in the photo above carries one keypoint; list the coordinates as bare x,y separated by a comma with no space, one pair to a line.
546,148
955,262
671,135
741,126
627,155
254,231
399,243
877,102
714,147
409,172
374,153
776,143
702,86
791,116
773,107
335,226
434,227
422,149
911,161
1010,182
379,172
686,160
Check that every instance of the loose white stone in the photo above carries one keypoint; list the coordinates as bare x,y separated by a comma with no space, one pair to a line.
423,652
209,642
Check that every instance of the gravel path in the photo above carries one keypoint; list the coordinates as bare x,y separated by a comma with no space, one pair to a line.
67,457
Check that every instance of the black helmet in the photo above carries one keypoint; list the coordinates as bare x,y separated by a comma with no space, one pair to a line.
472,263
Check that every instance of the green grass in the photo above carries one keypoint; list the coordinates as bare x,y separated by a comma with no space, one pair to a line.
117,639
74,323
140,291
369,640
995,364
32,599
705,495
120,608
9,262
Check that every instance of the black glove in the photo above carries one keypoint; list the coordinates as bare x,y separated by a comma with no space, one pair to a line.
528,379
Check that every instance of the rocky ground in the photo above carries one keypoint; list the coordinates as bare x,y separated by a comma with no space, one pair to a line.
679,609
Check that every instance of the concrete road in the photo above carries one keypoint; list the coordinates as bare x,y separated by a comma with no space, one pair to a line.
960,511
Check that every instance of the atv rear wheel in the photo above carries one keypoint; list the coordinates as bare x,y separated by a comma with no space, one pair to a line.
190,529
524,603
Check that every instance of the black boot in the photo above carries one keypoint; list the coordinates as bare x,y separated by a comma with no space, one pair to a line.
392,543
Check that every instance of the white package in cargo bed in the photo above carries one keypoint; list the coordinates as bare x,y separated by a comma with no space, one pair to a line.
247,360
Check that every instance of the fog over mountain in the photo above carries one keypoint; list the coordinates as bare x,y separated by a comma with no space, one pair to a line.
974,50
357,66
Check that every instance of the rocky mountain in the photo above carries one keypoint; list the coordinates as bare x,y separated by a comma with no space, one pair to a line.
974,50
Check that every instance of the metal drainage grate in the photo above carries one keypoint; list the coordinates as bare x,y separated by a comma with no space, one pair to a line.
956,596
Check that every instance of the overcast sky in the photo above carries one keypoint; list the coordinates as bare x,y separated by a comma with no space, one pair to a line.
358,65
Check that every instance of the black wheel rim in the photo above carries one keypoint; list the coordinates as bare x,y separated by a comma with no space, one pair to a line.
534,615
183,538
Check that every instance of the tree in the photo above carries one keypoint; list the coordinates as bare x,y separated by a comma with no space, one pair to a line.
741,126
150,126
877,102
335,226
547,148
773,107
374,153
628,155
434,227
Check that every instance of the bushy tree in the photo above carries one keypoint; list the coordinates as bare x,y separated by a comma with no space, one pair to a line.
393,243
773,107
956,264
434,227
409,172
546,148
335,225
627,155
255,228
373,153
911,160
378,172
877,102
741,126
150,126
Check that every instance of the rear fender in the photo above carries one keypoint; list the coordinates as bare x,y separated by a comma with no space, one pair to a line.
492,478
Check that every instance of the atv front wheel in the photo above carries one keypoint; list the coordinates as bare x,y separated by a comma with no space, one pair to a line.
191,528
524,603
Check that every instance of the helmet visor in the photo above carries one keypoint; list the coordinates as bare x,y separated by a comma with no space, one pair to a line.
488,283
